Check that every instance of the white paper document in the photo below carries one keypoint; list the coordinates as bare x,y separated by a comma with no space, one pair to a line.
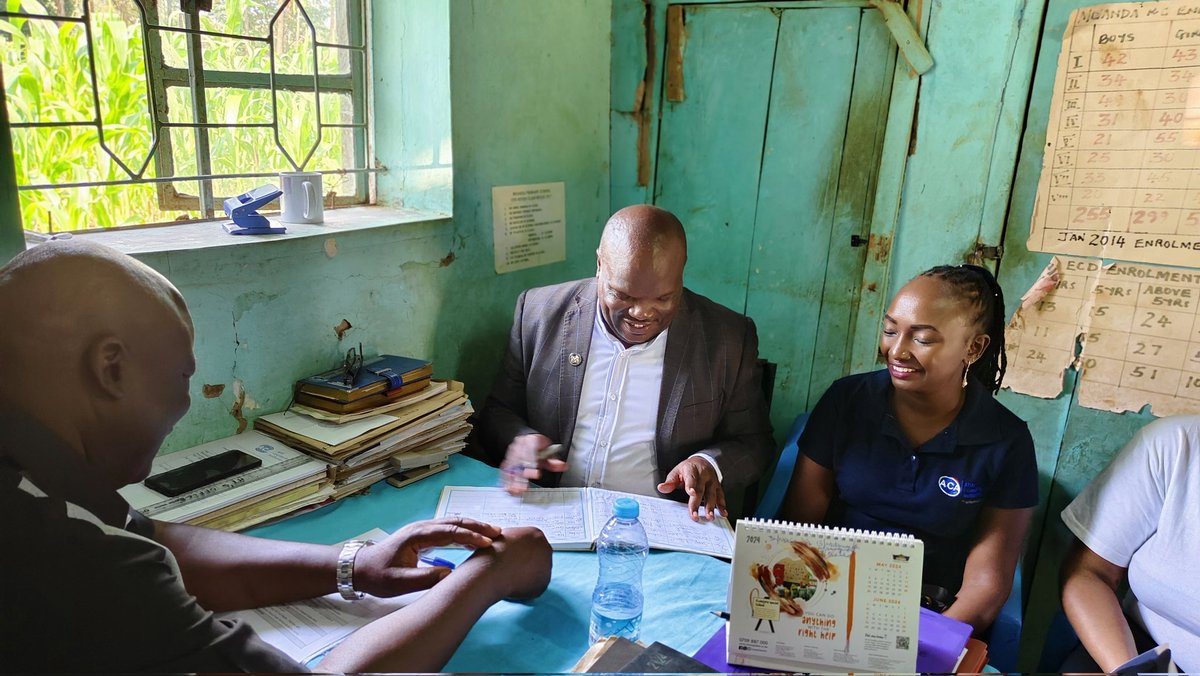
305,629
282,465
529,225
572,518
328,433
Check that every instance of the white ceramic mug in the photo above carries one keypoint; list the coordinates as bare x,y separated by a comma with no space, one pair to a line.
302,195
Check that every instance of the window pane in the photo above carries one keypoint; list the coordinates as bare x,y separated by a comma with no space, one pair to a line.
68,209
337,61
174,48
72,154
72,8
329,19
337,151
337,108
293,40
238,106
245,151
183,152
121,76
46,72
48,78
234,55
179,105
297,123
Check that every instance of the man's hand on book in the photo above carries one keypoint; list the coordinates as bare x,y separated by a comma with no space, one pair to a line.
523,462
698,479
389,568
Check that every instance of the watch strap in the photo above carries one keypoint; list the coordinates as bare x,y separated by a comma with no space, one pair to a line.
345,569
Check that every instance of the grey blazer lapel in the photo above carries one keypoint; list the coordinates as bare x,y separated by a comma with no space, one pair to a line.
576,339
674,375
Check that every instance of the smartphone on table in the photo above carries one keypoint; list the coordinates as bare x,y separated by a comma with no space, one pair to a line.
201,473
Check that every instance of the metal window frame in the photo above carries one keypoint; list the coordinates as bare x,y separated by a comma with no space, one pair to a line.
160,77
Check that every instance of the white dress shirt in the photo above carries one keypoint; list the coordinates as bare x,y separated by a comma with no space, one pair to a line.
617,420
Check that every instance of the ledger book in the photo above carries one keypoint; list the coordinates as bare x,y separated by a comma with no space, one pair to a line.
811,598
572,518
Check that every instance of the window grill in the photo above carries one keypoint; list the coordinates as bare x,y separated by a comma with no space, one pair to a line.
182,151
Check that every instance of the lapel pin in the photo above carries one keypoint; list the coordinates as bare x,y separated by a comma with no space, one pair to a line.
575,359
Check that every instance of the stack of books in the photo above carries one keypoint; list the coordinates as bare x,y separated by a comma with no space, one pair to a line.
283,481
411,436
374,383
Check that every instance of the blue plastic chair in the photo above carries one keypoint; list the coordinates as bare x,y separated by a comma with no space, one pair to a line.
772,499
1061,641
1005,639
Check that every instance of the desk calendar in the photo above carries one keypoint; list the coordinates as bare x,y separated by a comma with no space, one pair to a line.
811,598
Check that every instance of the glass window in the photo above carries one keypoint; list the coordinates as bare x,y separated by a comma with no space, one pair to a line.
134,112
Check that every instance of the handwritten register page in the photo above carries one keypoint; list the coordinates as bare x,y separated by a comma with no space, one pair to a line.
572,518
1121,172
1137,328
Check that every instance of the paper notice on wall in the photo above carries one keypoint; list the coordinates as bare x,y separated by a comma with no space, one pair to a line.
1041,337
1121,171
1136,329
529,225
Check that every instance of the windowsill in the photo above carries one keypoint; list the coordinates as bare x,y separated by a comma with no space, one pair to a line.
209,234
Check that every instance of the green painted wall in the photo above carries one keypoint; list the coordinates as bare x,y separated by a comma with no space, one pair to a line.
968,177
528,86
529,93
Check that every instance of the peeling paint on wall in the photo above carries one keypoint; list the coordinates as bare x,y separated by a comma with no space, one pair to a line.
331,248
239,402
676,39
880,247
341,328
643,98
213,391
447,260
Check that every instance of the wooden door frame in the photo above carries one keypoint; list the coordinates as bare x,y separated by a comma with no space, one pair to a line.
639,38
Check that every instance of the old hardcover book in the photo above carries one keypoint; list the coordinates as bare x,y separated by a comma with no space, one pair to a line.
362,403
382,375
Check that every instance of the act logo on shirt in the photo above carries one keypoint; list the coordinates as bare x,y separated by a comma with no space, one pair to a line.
950,486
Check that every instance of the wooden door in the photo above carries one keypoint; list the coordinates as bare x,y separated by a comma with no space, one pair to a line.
769,154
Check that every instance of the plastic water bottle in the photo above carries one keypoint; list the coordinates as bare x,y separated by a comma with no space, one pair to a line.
617,599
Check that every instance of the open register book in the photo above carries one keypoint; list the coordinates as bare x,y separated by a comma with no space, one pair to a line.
816,599
572,518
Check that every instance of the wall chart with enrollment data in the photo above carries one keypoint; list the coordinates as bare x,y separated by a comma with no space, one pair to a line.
1121,172
1137,328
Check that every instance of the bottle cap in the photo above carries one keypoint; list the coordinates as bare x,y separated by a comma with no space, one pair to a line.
626,508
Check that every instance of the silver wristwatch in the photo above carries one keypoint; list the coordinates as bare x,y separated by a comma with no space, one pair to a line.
345,569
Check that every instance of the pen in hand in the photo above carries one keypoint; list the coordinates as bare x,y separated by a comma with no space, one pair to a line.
544,454
436,561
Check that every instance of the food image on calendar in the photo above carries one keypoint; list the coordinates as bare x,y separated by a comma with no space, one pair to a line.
811,598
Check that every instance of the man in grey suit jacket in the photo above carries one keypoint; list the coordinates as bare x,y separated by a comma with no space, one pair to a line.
647,386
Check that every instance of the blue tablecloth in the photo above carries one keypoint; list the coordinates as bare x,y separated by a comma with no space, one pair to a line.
550,633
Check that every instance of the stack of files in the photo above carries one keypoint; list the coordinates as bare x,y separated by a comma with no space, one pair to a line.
379,382
286,480
423,432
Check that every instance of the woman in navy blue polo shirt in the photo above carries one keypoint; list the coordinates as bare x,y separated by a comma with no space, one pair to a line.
923,447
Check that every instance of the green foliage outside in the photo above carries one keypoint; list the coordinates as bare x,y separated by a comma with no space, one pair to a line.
47,79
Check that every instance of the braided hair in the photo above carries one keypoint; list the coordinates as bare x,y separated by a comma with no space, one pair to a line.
976,287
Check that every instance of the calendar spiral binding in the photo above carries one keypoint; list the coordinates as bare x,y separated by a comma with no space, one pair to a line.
835,532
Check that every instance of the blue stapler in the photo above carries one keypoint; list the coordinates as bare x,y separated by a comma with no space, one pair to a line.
243,209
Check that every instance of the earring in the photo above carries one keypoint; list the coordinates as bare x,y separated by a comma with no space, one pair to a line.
965,372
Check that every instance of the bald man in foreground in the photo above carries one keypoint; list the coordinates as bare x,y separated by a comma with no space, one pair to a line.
95,359
648,387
